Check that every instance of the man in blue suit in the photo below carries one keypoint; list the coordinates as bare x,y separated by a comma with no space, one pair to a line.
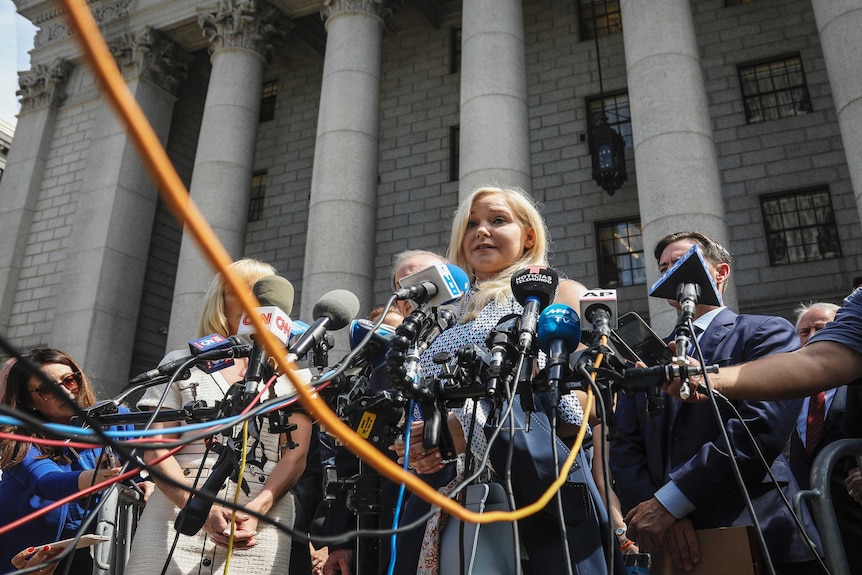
671,468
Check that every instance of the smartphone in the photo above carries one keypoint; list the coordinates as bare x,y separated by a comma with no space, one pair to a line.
84,541
644,344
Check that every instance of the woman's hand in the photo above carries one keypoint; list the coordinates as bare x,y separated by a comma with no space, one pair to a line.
218,527
31,557
419,459
86,477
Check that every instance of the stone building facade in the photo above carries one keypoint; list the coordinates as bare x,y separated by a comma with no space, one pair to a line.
326,136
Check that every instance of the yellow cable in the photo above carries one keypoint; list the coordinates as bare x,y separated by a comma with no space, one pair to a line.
156,160
236,495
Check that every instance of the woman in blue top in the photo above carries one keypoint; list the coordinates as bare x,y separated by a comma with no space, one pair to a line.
36,475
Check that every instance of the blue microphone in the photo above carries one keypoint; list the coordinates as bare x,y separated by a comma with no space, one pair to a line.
377,347
558,334
435,285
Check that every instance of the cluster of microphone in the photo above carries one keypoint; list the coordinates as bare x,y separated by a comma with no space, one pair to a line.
501,369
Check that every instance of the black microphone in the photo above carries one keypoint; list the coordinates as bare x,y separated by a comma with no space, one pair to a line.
534,288
502,341
193,516
599,310
210,361
333,311
689,282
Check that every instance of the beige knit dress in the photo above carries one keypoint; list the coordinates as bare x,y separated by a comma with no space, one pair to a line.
197,554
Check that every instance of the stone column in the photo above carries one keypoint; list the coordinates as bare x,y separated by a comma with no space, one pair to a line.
495,131
839,23
106,260
677,172
239,32
339,251
41,92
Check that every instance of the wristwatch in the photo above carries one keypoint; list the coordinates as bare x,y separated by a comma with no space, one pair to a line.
620,531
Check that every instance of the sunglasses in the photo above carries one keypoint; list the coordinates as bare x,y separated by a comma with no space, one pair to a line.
72,382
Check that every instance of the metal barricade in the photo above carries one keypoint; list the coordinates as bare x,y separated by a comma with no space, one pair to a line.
820,497
118,520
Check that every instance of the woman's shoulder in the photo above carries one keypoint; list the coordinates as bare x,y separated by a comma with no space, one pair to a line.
569,292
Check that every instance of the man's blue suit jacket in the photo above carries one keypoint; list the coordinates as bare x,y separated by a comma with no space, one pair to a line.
683,443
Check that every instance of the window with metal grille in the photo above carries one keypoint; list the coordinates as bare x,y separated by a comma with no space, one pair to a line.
600,18
800,227
267,101
454,152
455,51
620,253
619,115
258,193
774,89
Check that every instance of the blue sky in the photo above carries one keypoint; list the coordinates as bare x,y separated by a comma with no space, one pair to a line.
16,40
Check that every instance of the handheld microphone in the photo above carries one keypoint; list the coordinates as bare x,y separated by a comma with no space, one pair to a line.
599,310
334,310
377,347
193,516
534,288
558,335
208,352
434,285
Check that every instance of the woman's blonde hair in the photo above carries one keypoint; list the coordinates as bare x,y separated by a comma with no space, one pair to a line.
499,287
213,318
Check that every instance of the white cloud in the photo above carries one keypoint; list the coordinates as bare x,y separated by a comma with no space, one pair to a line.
16,39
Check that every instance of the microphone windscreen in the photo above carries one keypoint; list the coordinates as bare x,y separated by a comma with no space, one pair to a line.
339,305
537,282
460,277
274,291
558,321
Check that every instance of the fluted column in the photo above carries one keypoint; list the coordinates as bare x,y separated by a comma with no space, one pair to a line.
840,25
239,32
340,244
41,92
107,255
677,172
495,131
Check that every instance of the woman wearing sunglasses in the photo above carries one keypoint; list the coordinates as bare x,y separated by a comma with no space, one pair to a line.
36,475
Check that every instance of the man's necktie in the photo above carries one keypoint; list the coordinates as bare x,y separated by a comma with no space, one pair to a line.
814,422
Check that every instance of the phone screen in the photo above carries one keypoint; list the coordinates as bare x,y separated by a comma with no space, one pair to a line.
642,340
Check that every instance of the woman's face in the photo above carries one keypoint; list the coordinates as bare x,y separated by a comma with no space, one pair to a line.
232,308
52,407
495,238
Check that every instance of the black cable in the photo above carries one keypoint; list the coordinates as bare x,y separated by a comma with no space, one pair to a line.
799,527
567,556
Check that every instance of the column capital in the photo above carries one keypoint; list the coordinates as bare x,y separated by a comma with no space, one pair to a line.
249,24
152,56
379,8
43,84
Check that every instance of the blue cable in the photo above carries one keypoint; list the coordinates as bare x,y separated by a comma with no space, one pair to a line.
401,490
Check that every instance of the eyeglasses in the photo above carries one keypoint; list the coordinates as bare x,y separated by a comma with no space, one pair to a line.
72,382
